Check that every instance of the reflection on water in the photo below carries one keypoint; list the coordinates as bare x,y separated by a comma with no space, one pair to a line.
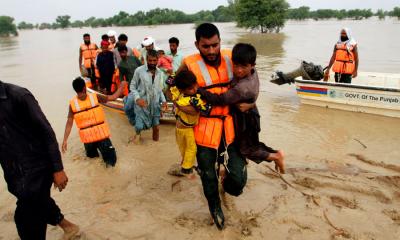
307,134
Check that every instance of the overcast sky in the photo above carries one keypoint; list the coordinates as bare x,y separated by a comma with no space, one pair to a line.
38,11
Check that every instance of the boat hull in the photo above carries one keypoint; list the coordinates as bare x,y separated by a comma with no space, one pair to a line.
351,97
118,106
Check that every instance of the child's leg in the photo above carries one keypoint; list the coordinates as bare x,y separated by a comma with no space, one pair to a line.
187,147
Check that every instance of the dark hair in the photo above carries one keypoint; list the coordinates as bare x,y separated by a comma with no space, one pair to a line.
78,84
86,35
152,53
174,40
122,37
122,48
184,79
244,53
104,36
206,30
117,44
161,52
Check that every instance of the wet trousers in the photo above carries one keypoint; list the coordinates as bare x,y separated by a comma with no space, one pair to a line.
187,146
344,78
248,141
106,148
129,108
37,209
236,177
92,75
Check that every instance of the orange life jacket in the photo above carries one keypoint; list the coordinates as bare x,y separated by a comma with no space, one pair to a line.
208,131
344,60
136,52
116,83
96,70
89,54
89,118
110,46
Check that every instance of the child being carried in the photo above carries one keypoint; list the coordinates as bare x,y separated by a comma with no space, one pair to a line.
165,62
183,89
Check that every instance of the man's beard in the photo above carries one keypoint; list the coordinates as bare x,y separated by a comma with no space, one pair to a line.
344,39
151,66
87,42
210,62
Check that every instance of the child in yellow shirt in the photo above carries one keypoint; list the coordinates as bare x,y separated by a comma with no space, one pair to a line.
184,93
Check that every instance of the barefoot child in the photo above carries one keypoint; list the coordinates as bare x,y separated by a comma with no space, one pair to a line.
184,94
165,62
244,88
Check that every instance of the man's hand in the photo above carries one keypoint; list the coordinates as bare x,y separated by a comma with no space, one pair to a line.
64,147
123,83
141,103
355,74
60,180
81,68
243,107
165,104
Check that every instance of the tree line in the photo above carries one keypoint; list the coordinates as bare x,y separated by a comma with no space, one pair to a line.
303,13
258,15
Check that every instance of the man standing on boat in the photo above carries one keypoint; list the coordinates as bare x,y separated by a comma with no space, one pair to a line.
105,64
149,44
111,34
344,58
88,51
127,68
31,162
89,117
146,90
176,56
122,39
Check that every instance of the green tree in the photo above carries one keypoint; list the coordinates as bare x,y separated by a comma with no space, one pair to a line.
77,24
7,27
263,15
150,22
45,26
209,18
367,13
22,25
54,26
88,22
380,14
300,13
63,21
396,12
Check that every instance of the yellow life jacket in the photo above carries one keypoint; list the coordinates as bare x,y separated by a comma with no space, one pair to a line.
89,118
344,59
208,131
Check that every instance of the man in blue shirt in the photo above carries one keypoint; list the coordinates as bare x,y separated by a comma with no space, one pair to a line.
105,64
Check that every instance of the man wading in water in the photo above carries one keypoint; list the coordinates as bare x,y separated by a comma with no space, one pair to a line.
215,134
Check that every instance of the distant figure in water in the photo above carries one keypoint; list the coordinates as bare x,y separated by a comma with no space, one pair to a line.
31,162
344,58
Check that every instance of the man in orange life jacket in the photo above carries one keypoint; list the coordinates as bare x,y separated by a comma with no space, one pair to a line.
89,53
344,58
89,117
215,134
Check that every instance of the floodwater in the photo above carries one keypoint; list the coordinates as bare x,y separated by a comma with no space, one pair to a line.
45,62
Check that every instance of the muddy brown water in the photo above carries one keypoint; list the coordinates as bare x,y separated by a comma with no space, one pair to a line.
46,61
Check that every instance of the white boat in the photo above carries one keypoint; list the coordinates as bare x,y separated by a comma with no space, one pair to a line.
374,93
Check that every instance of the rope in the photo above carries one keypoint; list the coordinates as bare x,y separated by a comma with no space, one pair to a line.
339,231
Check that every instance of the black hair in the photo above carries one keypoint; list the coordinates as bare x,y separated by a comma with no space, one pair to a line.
122,48
206,30
161,52
86,35
117,44
152,53
174,40
244,53
78,84
122,37
104,36
184,79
